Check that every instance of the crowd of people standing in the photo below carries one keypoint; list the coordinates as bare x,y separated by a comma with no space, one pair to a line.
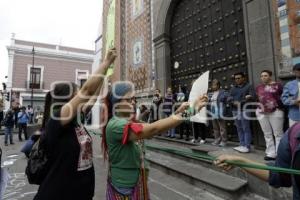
242,103
19,117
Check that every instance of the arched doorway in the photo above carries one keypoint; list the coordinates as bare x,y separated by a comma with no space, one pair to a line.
254,40
207,35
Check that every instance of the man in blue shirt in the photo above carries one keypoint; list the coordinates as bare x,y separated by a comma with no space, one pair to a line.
23,118
240,94
290,96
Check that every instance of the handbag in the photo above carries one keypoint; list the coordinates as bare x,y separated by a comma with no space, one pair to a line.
37,164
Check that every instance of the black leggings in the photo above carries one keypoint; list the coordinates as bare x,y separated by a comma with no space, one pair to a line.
199,129
23,127
184,128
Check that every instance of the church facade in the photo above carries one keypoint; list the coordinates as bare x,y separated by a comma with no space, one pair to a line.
166,43
171,42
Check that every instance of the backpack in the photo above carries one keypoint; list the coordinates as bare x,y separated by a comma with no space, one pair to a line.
294,142
8,121
38,163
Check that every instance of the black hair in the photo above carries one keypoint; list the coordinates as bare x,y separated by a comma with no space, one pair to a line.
143,107
62,94
63,91
239,74
267,71
182,88
296,66
47,109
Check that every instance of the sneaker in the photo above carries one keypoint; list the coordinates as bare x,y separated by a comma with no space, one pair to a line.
238,148
223,144
6,144
202,141
244,150
215,143
194,141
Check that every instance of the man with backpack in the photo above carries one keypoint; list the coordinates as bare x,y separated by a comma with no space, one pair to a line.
288,156
9,124
23,119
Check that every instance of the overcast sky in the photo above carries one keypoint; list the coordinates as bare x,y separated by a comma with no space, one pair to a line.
71,23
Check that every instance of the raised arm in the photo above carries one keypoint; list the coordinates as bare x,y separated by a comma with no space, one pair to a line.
89,90
86,108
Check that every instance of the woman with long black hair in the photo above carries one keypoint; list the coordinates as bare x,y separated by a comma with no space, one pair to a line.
68,145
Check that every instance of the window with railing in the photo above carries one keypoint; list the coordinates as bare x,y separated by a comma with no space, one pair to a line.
35,77
35,80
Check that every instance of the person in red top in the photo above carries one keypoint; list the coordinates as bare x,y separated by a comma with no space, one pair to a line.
270,114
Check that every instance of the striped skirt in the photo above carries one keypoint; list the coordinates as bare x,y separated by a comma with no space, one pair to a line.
139,192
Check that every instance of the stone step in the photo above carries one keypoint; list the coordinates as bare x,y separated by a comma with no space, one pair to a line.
159,143
215,182
185,143
255,185
182,142
163,186
205,148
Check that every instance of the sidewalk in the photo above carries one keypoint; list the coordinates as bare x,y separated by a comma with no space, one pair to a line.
15,130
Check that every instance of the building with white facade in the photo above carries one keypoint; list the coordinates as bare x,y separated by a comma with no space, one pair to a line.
50,63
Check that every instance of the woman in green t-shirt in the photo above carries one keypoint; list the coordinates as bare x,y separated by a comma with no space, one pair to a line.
122,138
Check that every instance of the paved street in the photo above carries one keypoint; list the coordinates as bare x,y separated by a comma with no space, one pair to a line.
161,185
15,162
